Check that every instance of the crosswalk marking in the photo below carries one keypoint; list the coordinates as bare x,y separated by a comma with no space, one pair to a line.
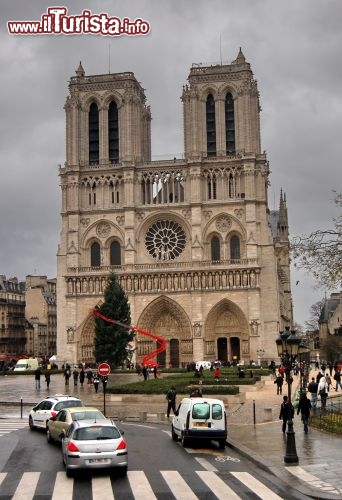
217,486
13,425
178,486
303,475
259,488
102,488
63,487
27,486
206,464
140,486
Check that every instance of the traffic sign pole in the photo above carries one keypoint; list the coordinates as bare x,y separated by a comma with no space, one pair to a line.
104,370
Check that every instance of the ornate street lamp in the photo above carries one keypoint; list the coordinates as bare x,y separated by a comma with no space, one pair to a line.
288,348
304,366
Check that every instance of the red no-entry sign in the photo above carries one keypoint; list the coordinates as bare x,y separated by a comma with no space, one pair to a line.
104,369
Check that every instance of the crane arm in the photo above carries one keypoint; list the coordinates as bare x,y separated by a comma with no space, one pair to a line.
159,339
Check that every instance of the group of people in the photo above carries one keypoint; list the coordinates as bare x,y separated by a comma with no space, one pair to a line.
319,386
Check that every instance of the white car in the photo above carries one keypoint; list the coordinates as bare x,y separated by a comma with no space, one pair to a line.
49,407
89,445
200,419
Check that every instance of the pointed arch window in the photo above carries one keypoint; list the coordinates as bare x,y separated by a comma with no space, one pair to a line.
230,124
115,254
212,188
113,132
235,247
95,254
211,126
215,249
94,144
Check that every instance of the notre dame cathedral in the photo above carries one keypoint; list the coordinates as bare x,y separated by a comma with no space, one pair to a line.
203,260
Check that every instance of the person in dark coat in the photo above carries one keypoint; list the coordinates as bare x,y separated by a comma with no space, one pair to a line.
304,407
37,375
286,412
171,401
47,378
279,382
82,376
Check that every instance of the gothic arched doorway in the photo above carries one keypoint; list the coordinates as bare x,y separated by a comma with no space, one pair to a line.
222,349
235,349
166,318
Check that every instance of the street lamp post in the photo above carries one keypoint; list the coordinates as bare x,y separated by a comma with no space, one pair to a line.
288,348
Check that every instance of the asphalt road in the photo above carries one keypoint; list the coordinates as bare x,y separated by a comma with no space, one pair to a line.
158,468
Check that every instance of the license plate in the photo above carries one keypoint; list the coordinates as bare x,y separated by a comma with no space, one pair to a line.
98,460
200,424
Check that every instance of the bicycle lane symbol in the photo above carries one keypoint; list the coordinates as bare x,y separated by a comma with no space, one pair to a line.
227,458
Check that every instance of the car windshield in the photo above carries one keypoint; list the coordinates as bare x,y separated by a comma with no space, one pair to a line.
96,433
68,404
87,415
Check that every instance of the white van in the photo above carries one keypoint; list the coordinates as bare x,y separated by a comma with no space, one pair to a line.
200,418
26,364
205,364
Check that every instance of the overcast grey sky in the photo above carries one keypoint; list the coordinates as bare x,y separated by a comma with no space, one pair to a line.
294,48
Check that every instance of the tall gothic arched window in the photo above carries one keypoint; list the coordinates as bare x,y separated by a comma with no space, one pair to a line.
95,254
235,247
215,249
230,124
115,254
94,143
113,132
211,126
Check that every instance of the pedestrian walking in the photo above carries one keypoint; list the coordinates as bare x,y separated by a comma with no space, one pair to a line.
145,372
37,374
75,375
82,376
286,412
279,383
171,401
96,382
155,372
48,378
328,379
304,407
67,373
323,391
337,378
89,376
313,389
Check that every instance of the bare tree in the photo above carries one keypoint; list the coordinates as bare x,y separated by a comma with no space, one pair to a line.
320,253
315,312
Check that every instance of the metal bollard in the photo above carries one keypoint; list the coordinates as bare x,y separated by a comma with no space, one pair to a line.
254,411
21,407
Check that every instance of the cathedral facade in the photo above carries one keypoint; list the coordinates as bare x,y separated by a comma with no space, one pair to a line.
204,262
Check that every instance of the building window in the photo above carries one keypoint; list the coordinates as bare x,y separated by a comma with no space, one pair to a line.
95,255
212,188
230,125
94,146
115,254
235,247
165,240
215,249
113,132
211,126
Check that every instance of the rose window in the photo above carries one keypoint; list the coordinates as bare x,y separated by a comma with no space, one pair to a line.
165,240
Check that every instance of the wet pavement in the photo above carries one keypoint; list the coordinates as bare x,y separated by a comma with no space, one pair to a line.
254,429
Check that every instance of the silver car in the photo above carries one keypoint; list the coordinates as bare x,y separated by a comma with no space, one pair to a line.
89,445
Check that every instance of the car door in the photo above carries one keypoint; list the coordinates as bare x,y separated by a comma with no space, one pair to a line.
42,413
58,425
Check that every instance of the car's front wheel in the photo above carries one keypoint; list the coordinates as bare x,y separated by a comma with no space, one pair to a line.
222,444
31,424
48,436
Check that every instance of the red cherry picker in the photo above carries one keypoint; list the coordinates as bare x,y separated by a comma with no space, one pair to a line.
146,361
